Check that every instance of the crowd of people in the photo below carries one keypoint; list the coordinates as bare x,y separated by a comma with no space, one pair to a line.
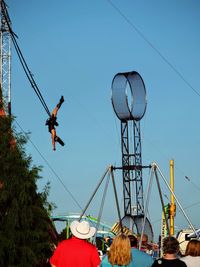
123,251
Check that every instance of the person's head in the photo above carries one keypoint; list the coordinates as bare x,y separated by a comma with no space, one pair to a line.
133,240
120,250
82,230
144,238
193,248
170,245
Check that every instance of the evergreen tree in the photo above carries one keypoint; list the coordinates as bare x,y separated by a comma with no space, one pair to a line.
26,232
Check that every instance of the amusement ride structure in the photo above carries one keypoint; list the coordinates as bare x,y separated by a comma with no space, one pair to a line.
129,103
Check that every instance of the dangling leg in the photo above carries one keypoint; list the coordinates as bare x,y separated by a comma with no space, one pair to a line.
59,140
60,102
54,112
53,136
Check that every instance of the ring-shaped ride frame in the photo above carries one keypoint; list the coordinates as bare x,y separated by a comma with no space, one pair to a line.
129,96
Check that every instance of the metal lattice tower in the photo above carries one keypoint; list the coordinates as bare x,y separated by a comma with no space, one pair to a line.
129,103
138,168
132,168
126,162
5,59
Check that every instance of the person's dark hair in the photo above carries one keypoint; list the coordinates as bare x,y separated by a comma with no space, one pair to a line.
133,240
193,248
170,245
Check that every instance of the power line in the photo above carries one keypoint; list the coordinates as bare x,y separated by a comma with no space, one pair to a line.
50,167
153,47
159,53
194,184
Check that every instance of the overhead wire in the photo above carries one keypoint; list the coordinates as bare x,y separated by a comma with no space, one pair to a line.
50,167
194,184
83,211
153,47
158,52
178,211
36,89
25,67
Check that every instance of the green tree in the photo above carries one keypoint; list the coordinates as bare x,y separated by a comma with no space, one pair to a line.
26,232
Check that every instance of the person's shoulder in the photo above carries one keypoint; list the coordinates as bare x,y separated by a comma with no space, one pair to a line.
60,246
105,258
182,263
157,262
143,256
104,261
89,244
176,262
184,258
142,253
64,242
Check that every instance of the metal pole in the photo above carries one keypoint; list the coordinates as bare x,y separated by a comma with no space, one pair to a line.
172,204
116,199
146,206
190,223
94,193
101,206
161,199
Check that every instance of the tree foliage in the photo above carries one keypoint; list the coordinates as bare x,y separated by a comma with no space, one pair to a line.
26,232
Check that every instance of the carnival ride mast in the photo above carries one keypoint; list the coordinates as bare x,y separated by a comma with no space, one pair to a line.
129,104
5,60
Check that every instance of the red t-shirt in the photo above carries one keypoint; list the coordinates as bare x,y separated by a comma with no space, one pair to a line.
75,252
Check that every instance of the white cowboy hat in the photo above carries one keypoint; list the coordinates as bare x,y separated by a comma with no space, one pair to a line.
82,229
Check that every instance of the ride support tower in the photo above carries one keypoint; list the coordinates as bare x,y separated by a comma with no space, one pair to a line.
129,103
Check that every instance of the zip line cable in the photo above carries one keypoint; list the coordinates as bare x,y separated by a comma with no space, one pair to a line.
153,47
50,167
22,60
30,77
37,91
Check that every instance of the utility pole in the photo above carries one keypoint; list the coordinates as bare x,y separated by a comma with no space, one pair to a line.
5,61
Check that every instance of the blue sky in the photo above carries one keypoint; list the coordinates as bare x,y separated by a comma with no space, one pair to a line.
74,48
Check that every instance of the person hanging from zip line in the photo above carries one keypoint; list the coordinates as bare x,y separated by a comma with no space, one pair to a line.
52,122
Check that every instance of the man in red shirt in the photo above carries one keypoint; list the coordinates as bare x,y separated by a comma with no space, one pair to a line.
77,251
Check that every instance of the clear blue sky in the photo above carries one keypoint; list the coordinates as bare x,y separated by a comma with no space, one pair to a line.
74,48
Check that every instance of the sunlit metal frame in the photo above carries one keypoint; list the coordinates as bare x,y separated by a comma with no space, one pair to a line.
125,108
130,107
